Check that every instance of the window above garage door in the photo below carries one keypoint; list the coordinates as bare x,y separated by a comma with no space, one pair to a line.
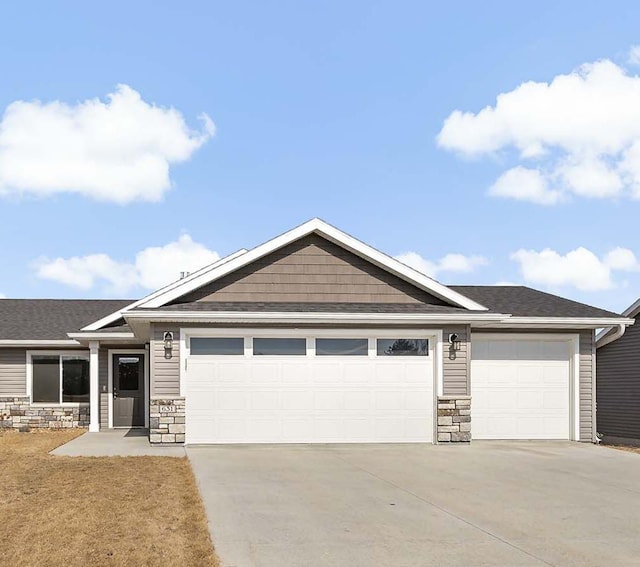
382,345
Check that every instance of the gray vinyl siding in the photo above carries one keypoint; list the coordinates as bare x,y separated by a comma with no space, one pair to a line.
618,386
311,270
455,363
13,372
165,372
586,386
586,371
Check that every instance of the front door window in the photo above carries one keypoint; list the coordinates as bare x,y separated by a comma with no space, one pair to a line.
128,390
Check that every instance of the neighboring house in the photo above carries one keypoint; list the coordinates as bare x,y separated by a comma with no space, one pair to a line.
312,337
618,384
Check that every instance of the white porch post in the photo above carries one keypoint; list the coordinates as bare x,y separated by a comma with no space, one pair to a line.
94,387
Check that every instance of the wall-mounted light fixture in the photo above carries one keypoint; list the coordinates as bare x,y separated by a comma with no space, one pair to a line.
168,344
454,341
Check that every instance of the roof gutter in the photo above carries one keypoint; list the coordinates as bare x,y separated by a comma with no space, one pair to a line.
606,339
311,318
37,343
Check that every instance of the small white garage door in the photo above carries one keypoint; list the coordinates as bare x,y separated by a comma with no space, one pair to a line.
521,388
303,390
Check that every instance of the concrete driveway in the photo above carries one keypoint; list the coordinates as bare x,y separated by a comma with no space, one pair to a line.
493,503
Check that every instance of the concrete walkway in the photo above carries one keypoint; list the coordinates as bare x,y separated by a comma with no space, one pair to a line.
518,504
116,443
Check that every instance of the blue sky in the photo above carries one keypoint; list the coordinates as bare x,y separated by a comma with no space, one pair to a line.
328,109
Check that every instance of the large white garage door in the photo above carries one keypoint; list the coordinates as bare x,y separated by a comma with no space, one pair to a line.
303,396
520,388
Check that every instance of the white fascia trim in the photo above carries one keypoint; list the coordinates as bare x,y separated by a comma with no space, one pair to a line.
100,336
296,317
29,343
118,314
331,233
566,321
632,310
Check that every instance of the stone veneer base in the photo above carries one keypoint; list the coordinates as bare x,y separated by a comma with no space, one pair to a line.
454,419
166,420
17,412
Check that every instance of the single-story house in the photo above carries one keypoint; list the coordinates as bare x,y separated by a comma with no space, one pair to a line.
618,384
311,337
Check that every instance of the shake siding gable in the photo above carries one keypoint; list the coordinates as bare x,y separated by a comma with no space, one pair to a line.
311,270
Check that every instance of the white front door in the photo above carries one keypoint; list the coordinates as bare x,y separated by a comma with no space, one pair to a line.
521,387
309,398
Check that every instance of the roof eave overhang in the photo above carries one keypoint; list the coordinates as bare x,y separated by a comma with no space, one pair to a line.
35,343
105,338
134,319
560,322
140,322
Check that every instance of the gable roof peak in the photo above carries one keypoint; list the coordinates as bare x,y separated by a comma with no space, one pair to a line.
233,262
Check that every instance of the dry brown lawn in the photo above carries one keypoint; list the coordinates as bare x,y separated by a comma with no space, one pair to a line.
115,511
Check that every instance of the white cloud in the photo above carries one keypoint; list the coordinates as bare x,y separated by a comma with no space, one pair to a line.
581,132
579,268
152,268
634,55
450,263
622,259
119,150
3,296
525,185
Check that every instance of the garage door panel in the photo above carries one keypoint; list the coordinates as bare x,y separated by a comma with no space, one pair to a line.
558,400
389,400
297,400
356,400
328,400
265,400
520,388
316,399
414,374
263,372
228,399
418,400
529,400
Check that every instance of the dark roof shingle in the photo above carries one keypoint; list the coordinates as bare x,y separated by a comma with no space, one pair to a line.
52,319
307,307
522,301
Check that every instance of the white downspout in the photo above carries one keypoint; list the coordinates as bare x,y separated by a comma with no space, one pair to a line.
613,336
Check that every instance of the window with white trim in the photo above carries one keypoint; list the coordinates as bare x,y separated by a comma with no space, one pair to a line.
203,346
402,347
57,379
342,347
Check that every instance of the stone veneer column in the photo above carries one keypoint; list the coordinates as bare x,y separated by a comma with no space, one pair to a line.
167,420
454,419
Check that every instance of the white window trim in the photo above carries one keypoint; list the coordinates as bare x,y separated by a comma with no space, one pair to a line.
573,340
84,354
147,395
